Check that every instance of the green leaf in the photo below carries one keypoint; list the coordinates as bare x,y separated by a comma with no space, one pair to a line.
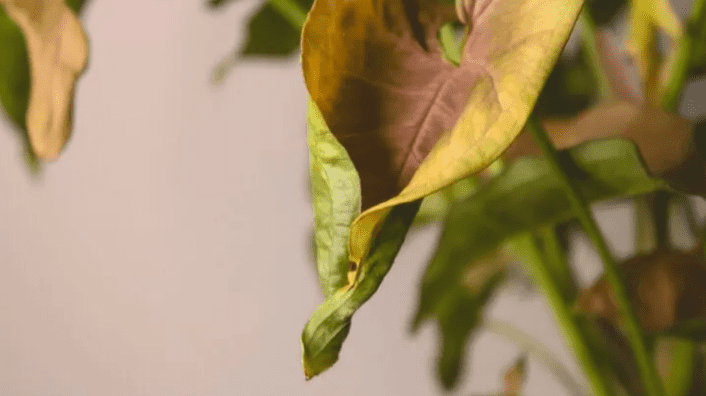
335,190
524,196
459,316
14,72
328,326
270,34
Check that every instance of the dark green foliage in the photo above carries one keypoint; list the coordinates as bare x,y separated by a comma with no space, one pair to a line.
270,34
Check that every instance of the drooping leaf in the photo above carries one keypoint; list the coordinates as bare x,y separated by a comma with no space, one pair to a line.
329,325
410,121
524,196
679,160
666,288
57,53
335,190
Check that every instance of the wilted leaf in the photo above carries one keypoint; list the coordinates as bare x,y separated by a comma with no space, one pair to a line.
57,51
515,377
328,326
666,287
411,122
677,159
376,73
524,196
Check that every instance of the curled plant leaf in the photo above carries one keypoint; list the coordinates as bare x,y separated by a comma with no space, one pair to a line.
336,200
58,50
329,325
411,122
666,288
524,196
679,160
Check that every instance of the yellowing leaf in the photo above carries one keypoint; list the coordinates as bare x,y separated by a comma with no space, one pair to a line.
647,16
411,122
58,53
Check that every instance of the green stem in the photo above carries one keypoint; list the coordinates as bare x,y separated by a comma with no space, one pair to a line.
648,372
588,30
537,350
556,259
682,62
291,11
535,264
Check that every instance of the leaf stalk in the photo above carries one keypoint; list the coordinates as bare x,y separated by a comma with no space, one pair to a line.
648,372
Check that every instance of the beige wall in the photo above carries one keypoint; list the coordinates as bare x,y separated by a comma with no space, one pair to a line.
166,252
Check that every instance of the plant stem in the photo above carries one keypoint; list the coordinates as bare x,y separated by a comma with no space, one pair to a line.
291,11
682,62
537,350
535,264
648,372
556,259
590,51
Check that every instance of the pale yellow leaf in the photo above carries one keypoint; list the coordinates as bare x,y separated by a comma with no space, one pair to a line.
58,53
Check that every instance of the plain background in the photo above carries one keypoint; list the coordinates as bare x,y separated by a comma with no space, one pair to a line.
166,252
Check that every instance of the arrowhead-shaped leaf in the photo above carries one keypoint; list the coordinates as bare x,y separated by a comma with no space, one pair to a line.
57,52
411,122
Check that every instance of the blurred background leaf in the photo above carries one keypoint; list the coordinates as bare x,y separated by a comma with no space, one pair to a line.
15,78
269,35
